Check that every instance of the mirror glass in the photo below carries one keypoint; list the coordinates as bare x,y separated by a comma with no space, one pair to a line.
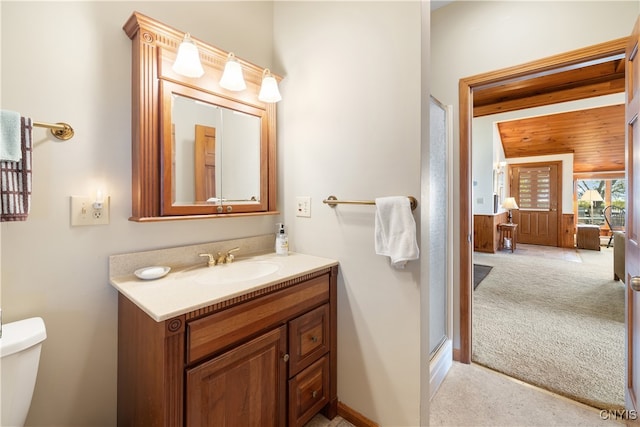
213,153
216,152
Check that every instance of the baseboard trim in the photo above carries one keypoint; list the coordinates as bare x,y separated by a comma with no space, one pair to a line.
354,417
439,366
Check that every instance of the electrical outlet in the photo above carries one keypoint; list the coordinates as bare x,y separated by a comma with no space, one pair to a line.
303,207
83,212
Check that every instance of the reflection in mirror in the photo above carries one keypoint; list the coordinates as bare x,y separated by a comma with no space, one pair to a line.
216,153
213,153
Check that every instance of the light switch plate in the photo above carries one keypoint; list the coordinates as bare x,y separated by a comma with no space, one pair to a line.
84,213
303,206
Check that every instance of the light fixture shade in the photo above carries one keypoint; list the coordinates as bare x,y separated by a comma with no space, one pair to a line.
188,60
591,196
269,90
510,203
232,78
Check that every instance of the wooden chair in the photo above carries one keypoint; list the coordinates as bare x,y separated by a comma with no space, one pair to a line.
614,217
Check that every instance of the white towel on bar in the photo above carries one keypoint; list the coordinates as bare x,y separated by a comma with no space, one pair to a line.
395,230
10,141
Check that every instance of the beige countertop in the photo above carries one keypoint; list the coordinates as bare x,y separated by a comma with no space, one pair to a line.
187,289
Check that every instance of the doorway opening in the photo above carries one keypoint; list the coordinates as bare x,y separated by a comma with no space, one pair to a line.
547,81
490,93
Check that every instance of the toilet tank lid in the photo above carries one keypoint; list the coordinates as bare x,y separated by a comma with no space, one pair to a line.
22,334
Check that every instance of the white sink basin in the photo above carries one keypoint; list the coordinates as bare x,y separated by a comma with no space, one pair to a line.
236,272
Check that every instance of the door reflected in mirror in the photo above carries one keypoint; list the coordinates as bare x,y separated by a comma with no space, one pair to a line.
216,153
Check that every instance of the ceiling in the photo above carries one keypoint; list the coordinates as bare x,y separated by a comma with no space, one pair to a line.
595,136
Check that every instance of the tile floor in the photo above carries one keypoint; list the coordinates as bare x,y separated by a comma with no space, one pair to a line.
321,421
567,254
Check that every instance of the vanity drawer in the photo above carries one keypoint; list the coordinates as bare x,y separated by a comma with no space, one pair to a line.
308,392
210,334
308,338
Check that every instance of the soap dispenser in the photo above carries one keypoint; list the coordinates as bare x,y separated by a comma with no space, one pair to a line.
282,241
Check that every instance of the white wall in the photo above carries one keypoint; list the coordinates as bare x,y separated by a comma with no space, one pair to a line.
71,61
350,126
474,37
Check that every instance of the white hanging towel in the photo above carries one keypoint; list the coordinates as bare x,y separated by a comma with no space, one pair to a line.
395,230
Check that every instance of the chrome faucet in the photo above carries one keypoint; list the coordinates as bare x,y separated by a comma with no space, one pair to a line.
221,258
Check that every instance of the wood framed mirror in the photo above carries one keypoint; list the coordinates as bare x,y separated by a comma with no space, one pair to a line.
198,150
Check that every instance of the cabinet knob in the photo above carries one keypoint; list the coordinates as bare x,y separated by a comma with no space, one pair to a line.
314,394
285,357
314,339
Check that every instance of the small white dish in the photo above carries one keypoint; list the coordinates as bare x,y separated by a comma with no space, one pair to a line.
150,273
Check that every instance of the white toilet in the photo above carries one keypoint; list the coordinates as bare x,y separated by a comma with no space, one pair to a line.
19,358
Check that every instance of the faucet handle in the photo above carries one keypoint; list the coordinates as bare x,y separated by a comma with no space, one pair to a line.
212,260
230,256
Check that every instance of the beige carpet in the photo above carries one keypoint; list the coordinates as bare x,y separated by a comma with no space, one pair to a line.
555,324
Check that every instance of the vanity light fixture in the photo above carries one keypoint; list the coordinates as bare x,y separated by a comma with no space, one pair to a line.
232,78
269,90
188,60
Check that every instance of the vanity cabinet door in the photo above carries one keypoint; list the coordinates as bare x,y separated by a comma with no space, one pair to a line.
245,386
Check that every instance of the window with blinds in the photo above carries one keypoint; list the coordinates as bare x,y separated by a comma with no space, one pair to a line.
535,188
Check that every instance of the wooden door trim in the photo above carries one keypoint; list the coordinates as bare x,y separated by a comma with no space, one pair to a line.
632,106
465,99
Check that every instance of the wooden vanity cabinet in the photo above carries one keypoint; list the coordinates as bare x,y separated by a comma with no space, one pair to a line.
243,386
266,358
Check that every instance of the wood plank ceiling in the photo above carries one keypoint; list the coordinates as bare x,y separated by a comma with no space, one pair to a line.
594,136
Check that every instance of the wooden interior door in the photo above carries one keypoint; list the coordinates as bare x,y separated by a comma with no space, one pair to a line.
537,190
632,251
205,163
